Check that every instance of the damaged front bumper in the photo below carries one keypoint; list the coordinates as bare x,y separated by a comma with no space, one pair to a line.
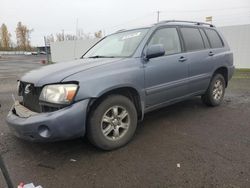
63,124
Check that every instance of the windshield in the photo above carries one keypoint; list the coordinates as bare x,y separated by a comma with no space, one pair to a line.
121,44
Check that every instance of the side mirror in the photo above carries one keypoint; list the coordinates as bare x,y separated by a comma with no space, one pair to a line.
156,50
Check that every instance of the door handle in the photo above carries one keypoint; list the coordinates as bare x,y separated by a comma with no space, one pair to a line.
211,53
182,59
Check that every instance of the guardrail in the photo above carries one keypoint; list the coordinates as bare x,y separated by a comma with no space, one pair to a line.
12,52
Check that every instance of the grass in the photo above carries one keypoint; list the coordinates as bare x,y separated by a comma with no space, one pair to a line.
242,74
50,62
242,70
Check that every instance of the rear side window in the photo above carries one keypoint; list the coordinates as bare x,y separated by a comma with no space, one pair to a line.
192,39
169,38
205,39
214,38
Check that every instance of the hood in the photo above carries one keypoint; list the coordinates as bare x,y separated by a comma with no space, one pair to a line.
57,72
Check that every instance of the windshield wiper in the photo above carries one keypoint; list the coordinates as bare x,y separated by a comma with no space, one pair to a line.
101,56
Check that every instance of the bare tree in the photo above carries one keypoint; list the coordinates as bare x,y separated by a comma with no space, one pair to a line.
63,37
82,35
59,37
5,41
23,36
70,37
50,38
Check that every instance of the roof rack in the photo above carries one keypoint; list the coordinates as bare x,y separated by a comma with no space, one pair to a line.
182,21
120,30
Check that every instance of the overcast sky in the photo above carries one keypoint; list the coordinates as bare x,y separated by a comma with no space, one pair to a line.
52,16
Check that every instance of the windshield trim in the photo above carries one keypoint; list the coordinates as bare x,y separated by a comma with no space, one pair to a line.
121,31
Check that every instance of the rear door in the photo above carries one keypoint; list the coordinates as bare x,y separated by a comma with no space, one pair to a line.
199,60
217,49
166,76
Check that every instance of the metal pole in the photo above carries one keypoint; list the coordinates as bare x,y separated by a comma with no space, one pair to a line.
46,49
158,16
5,173
63,34
75,39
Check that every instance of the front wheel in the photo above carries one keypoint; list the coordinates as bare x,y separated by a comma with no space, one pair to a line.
215,92
112,123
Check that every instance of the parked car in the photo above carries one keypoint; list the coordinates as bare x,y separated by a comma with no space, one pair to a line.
42,52
125,75
27,53
34,53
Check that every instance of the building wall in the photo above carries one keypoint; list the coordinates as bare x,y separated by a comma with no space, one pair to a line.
70,50
238,38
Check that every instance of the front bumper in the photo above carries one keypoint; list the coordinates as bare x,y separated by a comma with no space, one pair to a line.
63,124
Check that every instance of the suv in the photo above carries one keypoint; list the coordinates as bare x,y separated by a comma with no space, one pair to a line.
126,74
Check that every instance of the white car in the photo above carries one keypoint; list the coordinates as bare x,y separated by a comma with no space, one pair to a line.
34,53
43,52
27,53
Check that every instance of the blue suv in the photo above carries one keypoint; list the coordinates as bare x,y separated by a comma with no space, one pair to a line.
108,90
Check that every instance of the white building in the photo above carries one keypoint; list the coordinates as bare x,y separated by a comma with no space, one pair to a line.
70,50
238,38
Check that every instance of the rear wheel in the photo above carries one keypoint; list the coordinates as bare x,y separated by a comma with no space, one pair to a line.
112,123
215,92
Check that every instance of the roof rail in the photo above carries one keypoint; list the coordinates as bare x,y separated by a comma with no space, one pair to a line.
182,21
120,30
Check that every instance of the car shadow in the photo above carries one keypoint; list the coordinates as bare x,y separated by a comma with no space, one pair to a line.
51,155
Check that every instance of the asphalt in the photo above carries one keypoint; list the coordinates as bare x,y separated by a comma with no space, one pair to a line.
183,145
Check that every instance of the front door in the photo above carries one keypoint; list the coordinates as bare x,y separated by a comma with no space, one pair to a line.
166,77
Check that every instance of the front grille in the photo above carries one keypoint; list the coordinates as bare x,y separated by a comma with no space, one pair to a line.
30,95
46,108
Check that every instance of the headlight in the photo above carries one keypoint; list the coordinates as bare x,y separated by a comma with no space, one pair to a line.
59,93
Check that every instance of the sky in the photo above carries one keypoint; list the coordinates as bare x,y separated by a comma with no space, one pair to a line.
52,16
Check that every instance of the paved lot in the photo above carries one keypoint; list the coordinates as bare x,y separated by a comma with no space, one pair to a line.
211,145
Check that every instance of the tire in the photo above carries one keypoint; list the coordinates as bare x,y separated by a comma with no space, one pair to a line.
108,126
215,92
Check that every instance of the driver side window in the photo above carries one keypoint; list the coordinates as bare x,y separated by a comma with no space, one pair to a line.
169,38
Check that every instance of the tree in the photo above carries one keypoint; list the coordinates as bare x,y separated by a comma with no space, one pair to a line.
82,35
5,41
60,36
23,36
98,34
63,37
70,37
50,38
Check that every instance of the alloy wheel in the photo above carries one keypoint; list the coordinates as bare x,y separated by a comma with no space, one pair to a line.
115,123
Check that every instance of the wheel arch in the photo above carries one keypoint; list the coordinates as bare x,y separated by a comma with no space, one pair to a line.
224,72
126,91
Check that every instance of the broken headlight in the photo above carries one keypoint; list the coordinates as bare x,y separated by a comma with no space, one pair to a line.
58,93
